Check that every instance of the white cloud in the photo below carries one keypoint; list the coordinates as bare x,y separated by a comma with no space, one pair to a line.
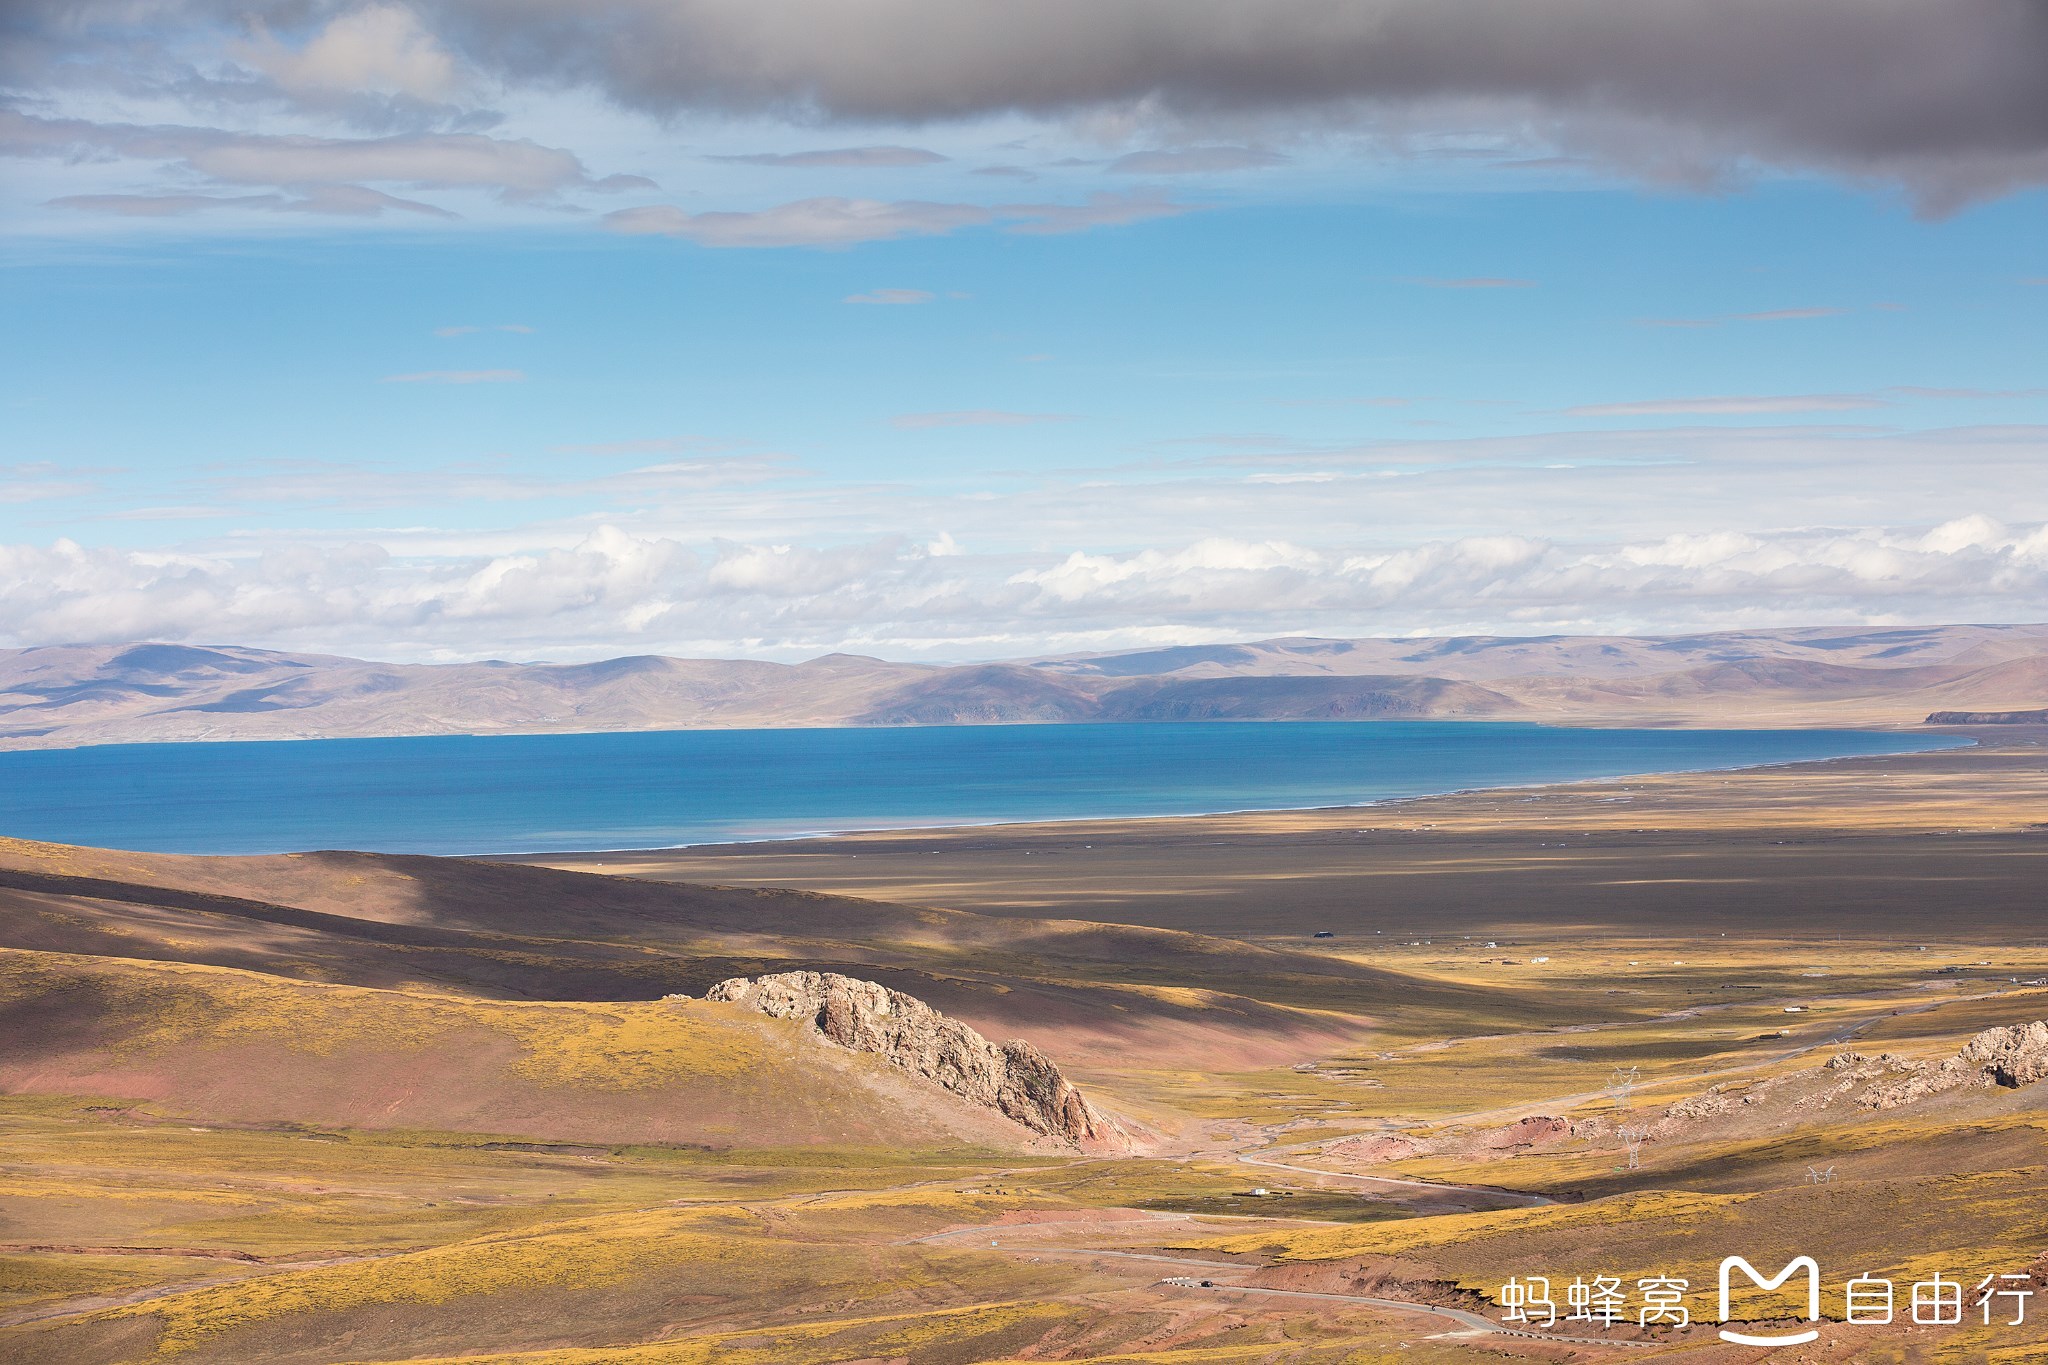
712,549
1974,532
377,48
612,589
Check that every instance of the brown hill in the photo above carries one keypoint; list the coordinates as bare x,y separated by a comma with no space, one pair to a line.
101,694
224,1046
1365,697
1082,992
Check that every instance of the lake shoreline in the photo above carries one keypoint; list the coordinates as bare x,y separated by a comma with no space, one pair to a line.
1380,804
624,792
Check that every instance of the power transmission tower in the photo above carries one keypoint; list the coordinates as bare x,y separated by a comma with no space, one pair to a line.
1621,1085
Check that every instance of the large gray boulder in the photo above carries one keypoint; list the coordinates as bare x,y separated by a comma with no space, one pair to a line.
1015,1078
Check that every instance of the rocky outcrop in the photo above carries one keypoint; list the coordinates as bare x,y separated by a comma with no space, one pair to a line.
1015,1078
2039,717
2011,1057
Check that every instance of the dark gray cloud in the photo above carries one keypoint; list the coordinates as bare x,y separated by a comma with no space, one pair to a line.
1947,99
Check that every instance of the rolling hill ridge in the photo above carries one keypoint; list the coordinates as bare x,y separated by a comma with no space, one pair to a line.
67,695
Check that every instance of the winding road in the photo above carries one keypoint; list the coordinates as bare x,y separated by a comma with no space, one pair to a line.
1469,1321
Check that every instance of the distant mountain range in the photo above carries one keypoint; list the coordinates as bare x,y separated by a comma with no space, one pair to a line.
65,695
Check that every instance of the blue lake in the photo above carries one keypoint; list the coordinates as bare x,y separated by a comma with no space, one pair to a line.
531,793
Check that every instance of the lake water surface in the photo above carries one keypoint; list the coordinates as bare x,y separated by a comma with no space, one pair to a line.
531,793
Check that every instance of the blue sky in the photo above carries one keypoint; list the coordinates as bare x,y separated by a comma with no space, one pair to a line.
402,354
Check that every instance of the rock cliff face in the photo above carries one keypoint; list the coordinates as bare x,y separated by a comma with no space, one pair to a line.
1015,1078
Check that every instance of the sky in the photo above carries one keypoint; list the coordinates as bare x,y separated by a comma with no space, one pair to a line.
956,329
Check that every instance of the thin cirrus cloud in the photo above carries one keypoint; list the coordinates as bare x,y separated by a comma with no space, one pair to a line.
42,489
1194,161
1924,391
896,297
646,445
458,377
974,417
162,205
1101,210
833,222
866,158
1766,315
325,172
339,201
1731,405
823,222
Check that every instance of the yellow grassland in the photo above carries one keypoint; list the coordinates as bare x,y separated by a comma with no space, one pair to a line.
880,1338
1963,1225
166,1006
792,1249
984,1332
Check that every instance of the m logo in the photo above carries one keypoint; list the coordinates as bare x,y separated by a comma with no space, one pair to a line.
1805,1263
